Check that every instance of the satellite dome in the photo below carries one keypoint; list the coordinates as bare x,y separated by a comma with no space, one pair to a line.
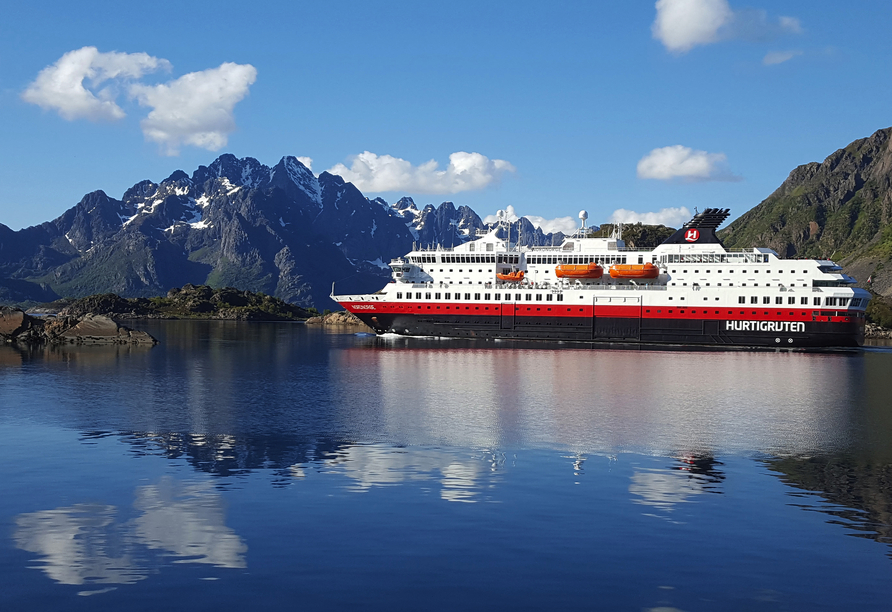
583,215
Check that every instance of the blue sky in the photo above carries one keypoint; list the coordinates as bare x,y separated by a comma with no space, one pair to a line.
637,106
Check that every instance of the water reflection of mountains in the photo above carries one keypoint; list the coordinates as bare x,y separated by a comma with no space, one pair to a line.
856,491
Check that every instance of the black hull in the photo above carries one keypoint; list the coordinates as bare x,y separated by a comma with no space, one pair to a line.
624,331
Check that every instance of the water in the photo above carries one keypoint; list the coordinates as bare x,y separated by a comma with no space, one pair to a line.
280,466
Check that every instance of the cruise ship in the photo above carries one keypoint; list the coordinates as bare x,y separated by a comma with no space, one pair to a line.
689,290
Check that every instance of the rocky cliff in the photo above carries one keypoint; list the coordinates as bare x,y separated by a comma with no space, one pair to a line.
840,208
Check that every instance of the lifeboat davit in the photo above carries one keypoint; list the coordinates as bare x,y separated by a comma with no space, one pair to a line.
511,277
591,270
647,270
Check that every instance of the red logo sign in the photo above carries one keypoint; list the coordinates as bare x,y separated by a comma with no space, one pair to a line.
692,235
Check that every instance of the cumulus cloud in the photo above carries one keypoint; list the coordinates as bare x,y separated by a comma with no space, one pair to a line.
465,172
195,109
567,225
671,217
60,87
306,161
681,25
779,57
680,162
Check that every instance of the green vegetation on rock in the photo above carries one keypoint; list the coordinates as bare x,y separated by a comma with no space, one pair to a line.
190,302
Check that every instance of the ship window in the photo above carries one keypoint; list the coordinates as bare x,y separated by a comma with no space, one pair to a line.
704,299
560,297
549,297
791,300
486,296
516,297
778,300
471,247
766,300
685,271
399,295
803,301
437,296
448,296
418,296
754,300
741,300
498,297
817,301
538,297
427,296
670,297
476,296
529,297
467,296
696,271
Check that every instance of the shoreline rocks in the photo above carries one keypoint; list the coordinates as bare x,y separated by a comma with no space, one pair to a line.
338,318
18,327
875,332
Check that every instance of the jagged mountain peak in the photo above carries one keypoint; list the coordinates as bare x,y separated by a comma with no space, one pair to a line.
405,203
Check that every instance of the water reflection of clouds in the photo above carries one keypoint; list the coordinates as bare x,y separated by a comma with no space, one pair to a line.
460,479
86,544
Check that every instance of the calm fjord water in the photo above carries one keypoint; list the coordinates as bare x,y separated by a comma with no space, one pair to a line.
278,466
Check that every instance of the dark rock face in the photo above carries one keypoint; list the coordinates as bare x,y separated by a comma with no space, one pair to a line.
840,208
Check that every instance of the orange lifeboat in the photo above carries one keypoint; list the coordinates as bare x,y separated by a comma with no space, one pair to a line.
647,270
512,277
591,270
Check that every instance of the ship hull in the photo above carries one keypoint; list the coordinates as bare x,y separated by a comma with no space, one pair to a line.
833,332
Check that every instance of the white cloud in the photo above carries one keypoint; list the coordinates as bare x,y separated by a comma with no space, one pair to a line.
671,217
779,57
306,161
567,225
465,172
195,109
681,25
60,87
680,162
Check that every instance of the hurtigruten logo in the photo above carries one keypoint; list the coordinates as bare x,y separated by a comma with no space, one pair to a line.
765,326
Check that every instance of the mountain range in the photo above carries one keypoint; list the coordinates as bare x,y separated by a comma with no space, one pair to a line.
288,233
279,230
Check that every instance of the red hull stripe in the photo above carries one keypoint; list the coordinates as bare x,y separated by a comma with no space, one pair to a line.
564,309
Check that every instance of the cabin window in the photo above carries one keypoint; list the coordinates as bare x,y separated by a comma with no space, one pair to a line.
516,297
476,296
803,301
560,297
448,296
437,296
778,300
538,297
791,300
766,300
754,299
741,300
418,296
498,297
427,296
486,296
458,296
467,296
549,297
399,295
529,297
817,301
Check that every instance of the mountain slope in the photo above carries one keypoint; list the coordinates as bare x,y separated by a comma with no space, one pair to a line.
840,208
